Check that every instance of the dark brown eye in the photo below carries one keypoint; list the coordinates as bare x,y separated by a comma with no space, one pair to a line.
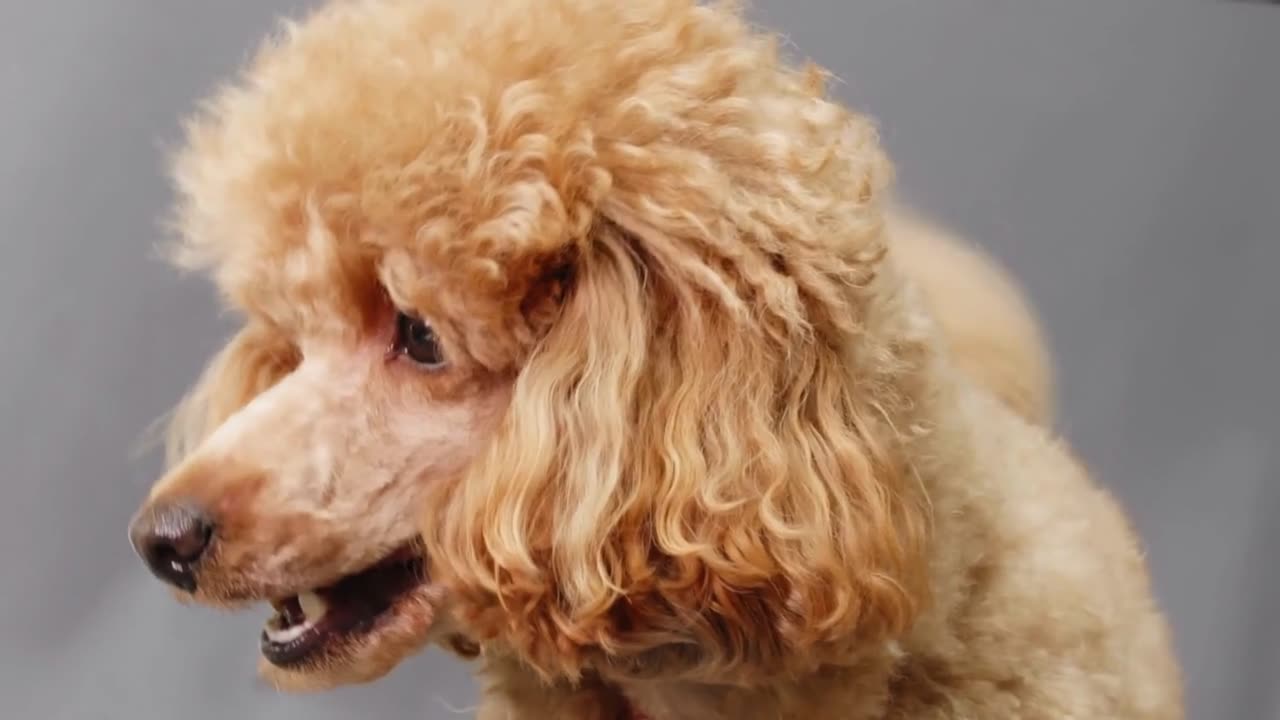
417,340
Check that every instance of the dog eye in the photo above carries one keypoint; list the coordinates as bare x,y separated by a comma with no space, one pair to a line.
417,340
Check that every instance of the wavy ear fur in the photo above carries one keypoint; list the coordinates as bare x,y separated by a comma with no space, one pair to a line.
701,458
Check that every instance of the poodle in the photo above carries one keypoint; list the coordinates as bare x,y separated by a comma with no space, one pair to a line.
584,339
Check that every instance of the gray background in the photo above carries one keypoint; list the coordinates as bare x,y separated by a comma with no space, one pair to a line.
1121,156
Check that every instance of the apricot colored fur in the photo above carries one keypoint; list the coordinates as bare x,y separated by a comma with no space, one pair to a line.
724,434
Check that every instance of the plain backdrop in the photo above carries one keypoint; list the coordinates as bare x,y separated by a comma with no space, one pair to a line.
1121,156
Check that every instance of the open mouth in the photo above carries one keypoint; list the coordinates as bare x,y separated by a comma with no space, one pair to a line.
312,624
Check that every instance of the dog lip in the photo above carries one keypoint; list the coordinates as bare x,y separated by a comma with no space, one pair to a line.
351,607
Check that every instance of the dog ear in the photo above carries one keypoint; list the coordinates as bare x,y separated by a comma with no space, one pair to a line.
677,472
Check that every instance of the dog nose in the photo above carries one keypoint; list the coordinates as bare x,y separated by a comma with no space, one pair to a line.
171,538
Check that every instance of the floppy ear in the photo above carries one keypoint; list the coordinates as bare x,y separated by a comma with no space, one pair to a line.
253,360
690,469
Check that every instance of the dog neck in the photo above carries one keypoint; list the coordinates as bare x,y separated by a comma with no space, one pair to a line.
860,689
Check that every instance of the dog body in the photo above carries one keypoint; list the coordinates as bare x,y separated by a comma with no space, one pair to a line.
582,338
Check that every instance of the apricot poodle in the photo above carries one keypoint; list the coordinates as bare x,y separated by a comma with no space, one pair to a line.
583,338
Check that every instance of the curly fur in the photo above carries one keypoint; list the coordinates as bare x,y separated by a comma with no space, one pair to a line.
724,434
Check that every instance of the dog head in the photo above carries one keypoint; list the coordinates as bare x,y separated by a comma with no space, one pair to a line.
558,328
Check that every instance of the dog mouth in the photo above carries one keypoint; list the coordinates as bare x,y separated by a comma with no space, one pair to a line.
317,624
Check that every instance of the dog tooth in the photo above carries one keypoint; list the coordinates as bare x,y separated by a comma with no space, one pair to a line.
283,636
313,606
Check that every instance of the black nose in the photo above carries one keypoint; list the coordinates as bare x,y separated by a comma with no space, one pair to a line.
171,538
